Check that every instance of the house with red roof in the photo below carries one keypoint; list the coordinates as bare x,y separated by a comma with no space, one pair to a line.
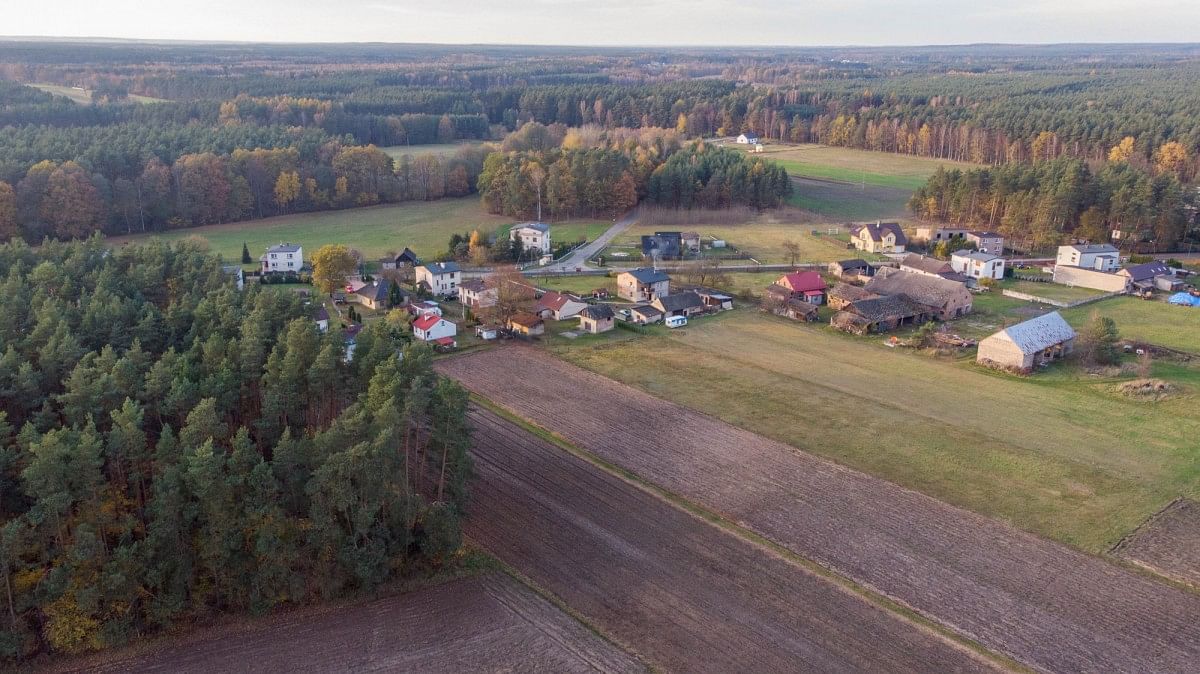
559,306
806,286
431,328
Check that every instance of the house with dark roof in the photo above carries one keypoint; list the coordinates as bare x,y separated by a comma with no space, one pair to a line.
747,138
951,299
321,318
475,294
686,303
920,264
714,300
439,278
795,309
645,314
405,260
597,318
1095,256
643,284
1143,276
987,242
880,237
851,268
374,295
662,246
1023,346
843,294
881,314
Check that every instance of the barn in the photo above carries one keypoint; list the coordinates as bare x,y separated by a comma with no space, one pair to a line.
1023,346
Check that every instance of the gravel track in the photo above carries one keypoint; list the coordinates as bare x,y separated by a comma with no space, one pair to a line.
680,591
1043,604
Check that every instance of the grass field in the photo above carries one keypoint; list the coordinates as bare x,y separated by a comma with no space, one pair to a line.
1058,455
84,96
1154,322
763,238
441,149
851,184
1050,291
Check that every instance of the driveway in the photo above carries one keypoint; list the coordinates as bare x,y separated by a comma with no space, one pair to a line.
581,255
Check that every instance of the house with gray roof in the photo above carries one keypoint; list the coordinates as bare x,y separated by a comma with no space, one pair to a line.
687,303
951,299
1095,256
643,284
439,278
1024,346
977,264
282,258
534,236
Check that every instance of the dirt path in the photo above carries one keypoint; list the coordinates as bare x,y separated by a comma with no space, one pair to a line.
678,590
488,623
1041,603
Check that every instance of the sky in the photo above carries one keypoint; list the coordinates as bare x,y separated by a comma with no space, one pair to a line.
614,22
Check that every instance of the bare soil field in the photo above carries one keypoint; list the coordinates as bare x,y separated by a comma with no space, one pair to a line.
685,594
1041,603
1168,543
487,623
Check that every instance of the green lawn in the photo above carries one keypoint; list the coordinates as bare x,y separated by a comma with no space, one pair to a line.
1059,454
423,226
576,284
1050,291
571,230
880,169
1155,321
763,238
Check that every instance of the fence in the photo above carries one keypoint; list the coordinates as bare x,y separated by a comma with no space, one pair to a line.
1057,303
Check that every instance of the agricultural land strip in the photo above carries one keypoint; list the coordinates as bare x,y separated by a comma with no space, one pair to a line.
1043,604
680,591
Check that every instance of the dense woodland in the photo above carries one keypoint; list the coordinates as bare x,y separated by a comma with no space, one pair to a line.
253,130
172,448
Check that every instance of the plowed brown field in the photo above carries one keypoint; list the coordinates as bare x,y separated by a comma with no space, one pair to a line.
485,624
1044,604
682,592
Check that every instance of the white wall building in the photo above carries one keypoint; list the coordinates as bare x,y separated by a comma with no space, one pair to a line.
431,327
1097,256
535,236
283,257
977,264
442,278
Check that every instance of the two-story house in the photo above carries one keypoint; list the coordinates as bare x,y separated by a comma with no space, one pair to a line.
643,284
534,236
283,257
1095,256
977,264
880,237
476,294
987,242
439,278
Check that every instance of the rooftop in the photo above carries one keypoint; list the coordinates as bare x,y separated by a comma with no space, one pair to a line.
1037,333
539,226
976,255
1103,248
597,312
285,248
441,267
876,230
648,275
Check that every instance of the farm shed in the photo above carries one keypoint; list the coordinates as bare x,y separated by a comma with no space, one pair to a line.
645,314
855,267
526,324
881,314
950,298
843,294
797,310
685,303
1025,345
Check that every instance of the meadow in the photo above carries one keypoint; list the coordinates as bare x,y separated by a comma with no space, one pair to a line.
1155,322
762,237
439,149
1059,454
423,226
84,96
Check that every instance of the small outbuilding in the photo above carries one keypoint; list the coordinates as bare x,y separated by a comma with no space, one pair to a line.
1024,346
526,324
597,318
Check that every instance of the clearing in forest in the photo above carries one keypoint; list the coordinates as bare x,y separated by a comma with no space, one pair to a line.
1039,602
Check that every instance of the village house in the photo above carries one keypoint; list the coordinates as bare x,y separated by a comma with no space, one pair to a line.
235,272
1146,276
643,284
1091,278
1095,256
405,260
373,295
950,299
644,314
597,318
807,286
439,278
526,324
843,294
935,235
559,306
475,294
795,309
714,300
321,318
534,236
881,314
851,268
282,258
987,242
662,246
1024,346
424,307
929,266
686,303
880,237
690,241
748,138
977,264
350,336
431,327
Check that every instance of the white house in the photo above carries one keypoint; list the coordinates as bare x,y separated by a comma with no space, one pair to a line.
1097,256
283,257
440,278
321,318
748,138
977,264
432,327
535,236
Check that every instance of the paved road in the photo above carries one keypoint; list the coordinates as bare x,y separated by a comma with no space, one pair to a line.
581,255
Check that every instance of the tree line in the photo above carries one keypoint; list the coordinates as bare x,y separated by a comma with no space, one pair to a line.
172,448
1043,203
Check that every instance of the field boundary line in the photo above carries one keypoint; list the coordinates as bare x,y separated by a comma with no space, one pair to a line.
866,593
563,606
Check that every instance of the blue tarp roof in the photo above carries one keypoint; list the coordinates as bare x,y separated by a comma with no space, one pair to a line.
1185,300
